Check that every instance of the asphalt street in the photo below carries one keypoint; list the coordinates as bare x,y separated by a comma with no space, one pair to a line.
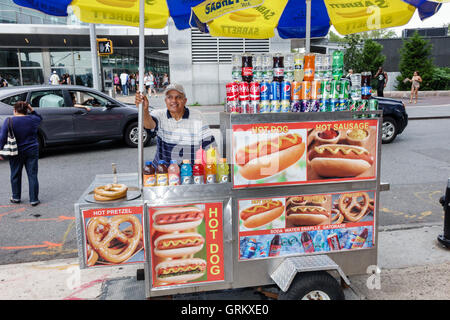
416,165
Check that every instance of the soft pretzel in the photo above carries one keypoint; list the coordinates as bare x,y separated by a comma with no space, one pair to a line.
111,243
336,216
352,209
111,191
92,256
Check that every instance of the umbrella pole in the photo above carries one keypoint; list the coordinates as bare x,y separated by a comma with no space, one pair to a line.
141,88
308,27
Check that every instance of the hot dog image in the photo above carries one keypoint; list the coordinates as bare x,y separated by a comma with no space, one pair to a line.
265,158
178,244
177,219
307,216
261,214
180,270
340,160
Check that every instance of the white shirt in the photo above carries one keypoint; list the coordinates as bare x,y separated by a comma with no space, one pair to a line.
123,78
54,79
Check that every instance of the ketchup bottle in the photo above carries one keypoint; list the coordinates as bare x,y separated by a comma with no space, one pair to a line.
198,172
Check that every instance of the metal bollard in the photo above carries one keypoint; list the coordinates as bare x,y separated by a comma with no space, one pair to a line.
111,93
444,239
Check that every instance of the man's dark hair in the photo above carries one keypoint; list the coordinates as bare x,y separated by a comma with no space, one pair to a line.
21,107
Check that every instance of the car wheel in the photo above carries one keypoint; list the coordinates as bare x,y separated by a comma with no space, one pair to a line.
389,130
131,136
318,285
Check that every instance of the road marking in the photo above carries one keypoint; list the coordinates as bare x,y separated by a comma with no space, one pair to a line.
59,219
45,244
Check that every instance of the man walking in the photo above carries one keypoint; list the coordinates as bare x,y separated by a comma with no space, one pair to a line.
54,78
124,83
382,78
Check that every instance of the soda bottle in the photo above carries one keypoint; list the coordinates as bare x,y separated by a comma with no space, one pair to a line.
275,246
278,67
198,172
247,67
299,72
310,59
186,172
149,174
236,70
210,169
289,67
366,89
360,240
174,173
307,242
222,171
258,69
162,177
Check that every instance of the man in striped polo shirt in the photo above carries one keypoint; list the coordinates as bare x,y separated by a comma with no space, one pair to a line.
180,131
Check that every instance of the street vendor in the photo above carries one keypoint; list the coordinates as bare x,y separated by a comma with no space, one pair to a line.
181,132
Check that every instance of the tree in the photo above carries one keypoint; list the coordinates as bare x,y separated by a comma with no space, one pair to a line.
415,55
372,58
353,53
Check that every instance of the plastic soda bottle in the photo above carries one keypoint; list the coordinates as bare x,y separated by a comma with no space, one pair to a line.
222,171
198,172
149,174
174,173
186,172
210,168
162,177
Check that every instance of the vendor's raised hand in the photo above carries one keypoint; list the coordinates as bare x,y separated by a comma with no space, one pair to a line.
140,98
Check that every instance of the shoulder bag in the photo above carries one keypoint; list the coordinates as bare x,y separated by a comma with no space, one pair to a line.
10,148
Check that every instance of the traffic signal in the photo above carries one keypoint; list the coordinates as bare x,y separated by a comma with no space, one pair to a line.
104,47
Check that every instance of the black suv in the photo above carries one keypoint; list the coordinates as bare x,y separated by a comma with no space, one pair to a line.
395,118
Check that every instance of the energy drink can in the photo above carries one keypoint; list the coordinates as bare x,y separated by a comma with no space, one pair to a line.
275,106
333,105
285,106
264,106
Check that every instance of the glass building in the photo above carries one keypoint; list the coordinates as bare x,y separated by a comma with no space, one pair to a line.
33,45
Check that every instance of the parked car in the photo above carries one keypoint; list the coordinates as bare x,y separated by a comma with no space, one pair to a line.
65,124
395,118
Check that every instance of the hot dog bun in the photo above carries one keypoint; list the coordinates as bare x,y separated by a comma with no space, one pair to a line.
177,219
261,214
339,160
307,216
180,270
178,244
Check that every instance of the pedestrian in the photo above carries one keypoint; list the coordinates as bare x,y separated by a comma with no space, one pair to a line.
25,123
415,85
124,83
349,76
382,78
54,78
133,82
116,80
165,80
3,82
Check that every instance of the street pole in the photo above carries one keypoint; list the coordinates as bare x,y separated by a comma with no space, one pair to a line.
308,27
94,56
141,88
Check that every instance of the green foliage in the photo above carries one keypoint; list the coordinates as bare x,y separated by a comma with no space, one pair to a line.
440,79
372,58
353,54
415,55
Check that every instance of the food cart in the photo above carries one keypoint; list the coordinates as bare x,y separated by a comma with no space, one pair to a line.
233,253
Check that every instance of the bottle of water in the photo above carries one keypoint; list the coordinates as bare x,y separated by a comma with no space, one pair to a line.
289,67
267,67
318,74
326,65
258,67
298,66
236,65
356,86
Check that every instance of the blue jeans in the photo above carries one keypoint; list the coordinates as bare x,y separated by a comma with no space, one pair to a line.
125,89
28,158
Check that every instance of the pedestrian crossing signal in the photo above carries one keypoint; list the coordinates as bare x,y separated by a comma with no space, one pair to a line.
104,47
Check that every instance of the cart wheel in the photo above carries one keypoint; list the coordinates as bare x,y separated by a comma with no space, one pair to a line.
313,286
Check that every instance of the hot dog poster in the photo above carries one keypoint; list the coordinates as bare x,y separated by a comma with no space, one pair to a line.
305,224
306,152
114,236
186,244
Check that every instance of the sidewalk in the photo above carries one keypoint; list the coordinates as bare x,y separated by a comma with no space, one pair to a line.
413,267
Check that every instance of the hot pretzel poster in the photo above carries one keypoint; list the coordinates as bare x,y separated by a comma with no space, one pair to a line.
114,236
305,224
302,153
186,244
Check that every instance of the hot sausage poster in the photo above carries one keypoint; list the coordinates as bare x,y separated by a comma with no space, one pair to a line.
186,244
304,153
113,236
305,224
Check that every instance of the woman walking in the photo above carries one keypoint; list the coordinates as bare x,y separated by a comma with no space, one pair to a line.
415,85
25,123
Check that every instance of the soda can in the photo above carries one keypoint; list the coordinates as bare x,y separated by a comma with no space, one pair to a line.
253,106
316,90
362,106
275,90
333,242
373,106
323,105
250,248
275,106
333,105
304,105
295,106
286,90
233,106
245,106
353,105
264,106
254,91
326,89
244,91
305,93
296,88
335,89
314,105
232,91
344,89
285,105
264,89
342,104
350,238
